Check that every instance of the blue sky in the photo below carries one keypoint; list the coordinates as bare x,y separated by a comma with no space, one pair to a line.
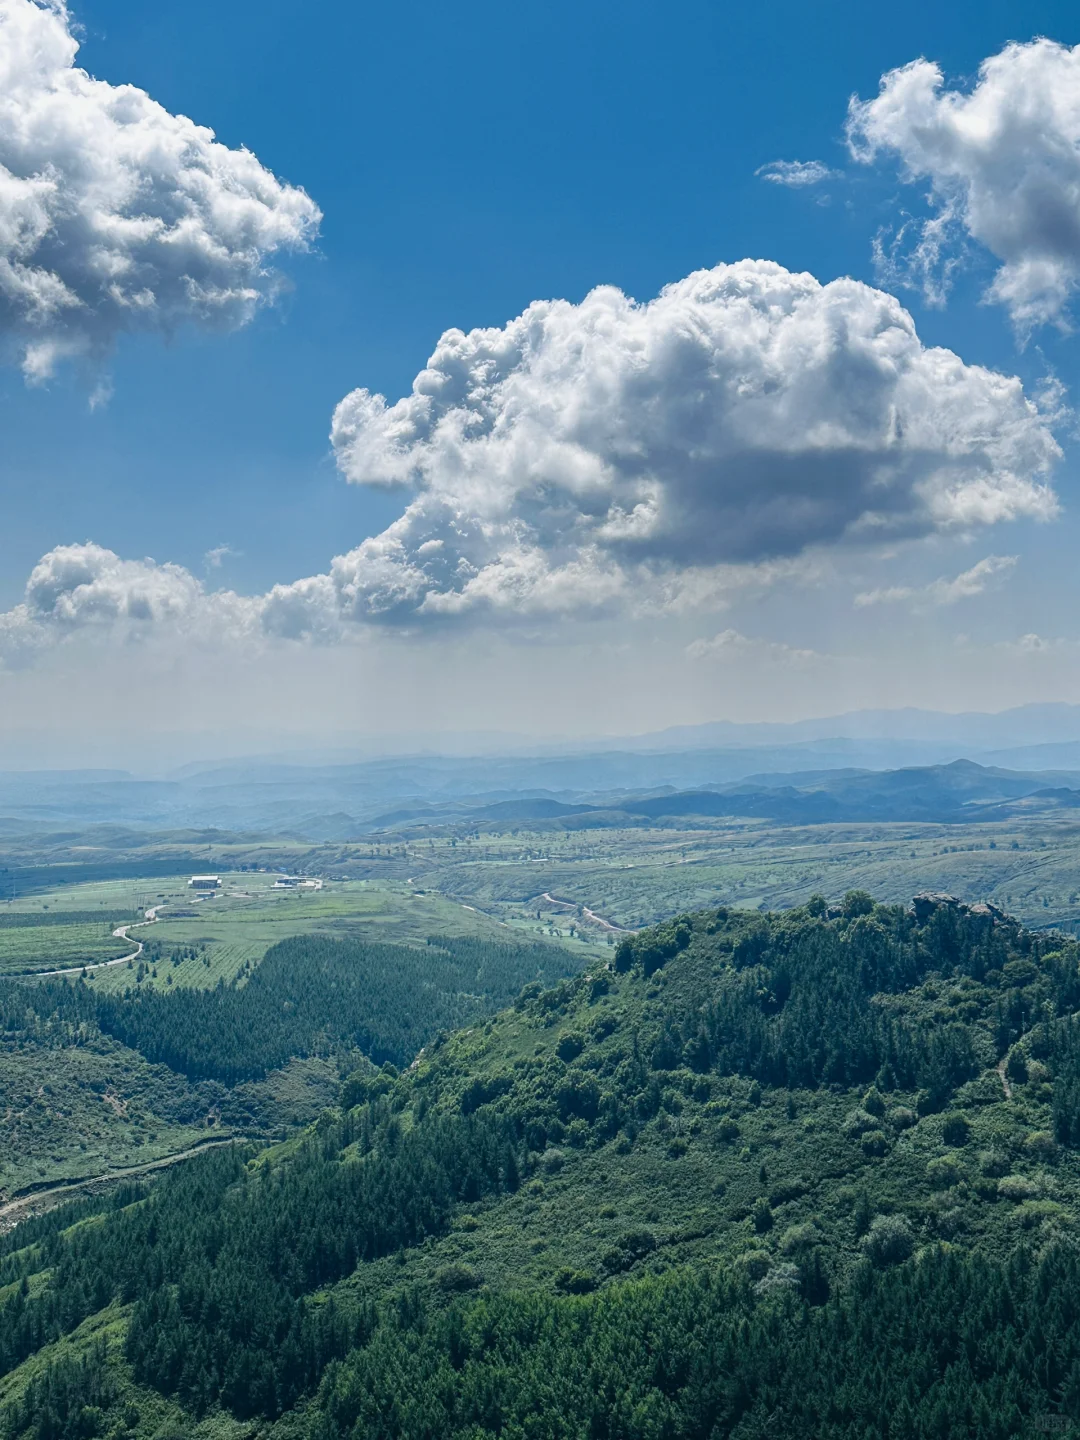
467,161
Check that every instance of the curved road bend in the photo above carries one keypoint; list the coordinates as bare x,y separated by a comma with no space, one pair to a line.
120,933
17,1209
589,915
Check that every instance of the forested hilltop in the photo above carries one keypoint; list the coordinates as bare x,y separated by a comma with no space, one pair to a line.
808,1174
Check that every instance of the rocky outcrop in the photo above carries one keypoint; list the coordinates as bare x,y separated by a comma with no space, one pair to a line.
928,901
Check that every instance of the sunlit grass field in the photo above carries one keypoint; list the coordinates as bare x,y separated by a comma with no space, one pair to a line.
57,947
230,933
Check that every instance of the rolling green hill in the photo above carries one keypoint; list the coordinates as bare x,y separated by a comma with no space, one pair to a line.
758,1175
94,1079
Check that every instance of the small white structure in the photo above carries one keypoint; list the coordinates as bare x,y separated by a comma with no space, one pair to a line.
204,882
287,882
311,884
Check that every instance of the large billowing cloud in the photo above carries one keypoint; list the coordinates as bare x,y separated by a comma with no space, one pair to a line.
615,456
1003,162
116,215
586,453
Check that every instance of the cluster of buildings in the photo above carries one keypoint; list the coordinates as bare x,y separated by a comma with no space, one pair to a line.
206,885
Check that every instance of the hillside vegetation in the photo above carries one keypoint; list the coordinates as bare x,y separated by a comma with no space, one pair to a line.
94,1079
763,1175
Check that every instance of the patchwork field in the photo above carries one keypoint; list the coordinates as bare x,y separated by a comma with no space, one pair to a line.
58,941
224,938
635,877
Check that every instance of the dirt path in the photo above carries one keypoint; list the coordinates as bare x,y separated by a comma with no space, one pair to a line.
120,933
589,915
24,1205
1004,1078
606,924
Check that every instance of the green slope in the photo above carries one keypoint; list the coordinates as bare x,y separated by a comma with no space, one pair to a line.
93,1081
810,1174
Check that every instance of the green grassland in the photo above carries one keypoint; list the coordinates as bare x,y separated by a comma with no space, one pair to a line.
629,877
46,947
221,938
109,897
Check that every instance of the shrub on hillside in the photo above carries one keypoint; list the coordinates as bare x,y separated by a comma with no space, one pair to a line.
889,1241
956,1130
1017,1187
943,1173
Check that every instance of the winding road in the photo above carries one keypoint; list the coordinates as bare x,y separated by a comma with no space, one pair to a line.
120,933
23,1205
589,915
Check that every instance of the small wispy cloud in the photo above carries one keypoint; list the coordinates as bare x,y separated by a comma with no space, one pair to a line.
1032,644
798,174
731,645
943,591
215,558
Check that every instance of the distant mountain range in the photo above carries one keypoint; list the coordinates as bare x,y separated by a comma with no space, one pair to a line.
971,731
885,738
859,766
958,793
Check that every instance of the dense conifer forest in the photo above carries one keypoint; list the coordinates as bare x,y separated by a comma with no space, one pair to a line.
309,995
806,1174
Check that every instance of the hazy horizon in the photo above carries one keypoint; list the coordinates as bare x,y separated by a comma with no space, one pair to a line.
944,735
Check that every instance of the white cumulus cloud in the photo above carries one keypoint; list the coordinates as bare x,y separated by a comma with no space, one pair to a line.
617,457
76,589
88,592
116,215
583,455
796,174
1003,162
944,591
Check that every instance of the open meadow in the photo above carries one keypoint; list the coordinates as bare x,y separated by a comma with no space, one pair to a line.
66,940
